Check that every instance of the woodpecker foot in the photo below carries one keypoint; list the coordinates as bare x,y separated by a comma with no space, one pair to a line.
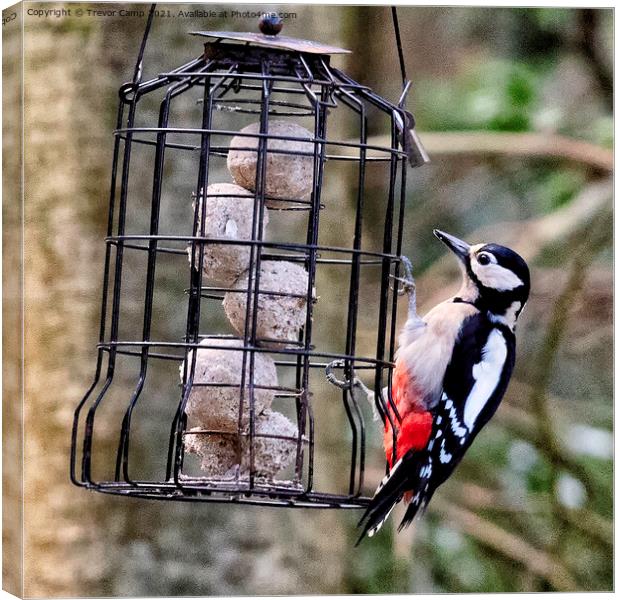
343,384
370,396
409,288
414,321
346,384
407,281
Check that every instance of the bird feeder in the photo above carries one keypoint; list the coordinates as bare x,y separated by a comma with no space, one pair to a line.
251,417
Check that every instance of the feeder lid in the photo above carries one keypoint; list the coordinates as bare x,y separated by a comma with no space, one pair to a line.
274,41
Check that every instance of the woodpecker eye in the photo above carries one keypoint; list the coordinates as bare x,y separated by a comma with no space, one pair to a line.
484,258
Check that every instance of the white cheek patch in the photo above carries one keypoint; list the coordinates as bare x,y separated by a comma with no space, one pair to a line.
495,276
487,374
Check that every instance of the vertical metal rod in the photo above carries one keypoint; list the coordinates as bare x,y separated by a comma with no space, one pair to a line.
300,379
175,441
116,294
192,331
123,448
320,132
392,412
137,72
399,250
253,287
349,371
399,46
104,298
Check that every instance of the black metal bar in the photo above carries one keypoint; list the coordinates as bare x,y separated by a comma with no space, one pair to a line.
287,257
223,152
253,286
116,298
130,90
104,304
399,46
347,398
164,113
280,245
287,351
278,363
194,301
137,73
399,245
283,78
286,138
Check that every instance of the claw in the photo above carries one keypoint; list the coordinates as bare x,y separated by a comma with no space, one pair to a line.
370,396
407,281
408,269
409,288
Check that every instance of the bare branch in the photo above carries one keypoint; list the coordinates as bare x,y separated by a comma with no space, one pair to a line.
483,144
513,547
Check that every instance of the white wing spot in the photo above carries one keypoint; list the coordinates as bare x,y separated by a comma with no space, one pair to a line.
378,526
444,457
455,424
426,470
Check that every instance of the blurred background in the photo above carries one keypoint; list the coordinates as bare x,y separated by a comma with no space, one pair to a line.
515,109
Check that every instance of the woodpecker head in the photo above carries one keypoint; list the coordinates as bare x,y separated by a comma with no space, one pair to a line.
495,278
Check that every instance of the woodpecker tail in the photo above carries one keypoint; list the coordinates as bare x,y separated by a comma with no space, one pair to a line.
399,480
417,506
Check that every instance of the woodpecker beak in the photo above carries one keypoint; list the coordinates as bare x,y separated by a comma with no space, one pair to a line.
459,247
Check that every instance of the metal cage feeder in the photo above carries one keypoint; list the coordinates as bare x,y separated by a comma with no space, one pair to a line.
275,81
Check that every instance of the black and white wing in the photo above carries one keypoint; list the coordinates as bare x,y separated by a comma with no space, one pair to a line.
475,382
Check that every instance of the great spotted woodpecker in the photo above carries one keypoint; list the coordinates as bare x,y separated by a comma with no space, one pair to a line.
452,370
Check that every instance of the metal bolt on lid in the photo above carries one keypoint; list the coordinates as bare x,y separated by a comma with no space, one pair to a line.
270,24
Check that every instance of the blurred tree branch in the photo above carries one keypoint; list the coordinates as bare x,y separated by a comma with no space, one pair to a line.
507,544
485,144
589,523
592,525
524,145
